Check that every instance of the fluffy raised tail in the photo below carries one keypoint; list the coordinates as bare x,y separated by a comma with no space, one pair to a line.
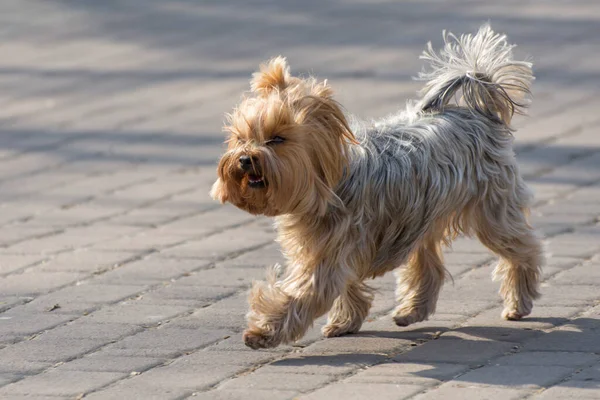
483,69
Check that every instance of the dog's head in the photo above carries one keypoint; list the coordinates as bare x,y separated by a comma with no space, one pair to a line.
287,146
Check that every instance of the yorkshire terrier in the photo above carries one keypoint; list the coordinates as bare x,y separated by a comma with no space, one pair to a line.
354,200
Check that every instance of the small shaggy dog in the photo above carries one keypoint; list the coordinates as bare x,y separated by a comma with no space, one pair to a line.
355,200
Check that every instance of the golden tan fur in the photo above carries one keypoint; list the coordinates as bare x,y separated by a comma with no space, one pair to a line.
352,203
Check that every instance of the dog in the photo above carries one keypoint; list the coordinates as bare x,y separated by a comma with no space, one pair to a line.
353,200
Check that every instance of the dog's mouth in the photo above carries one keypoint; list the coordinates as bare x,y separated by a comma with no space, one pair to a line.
256,181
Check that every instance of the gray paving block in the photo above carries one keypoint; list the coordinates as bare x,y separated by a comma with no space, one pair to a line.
586,274
278,381
19,366
548,358
409,373
132,389
22,323
5,378
34,283
224,276
10,263
150,270
452,390
61,383
383,391
516,375
133,313
567,295
171,339
189,377
84,329
339,364
566,340
571,390
85,261
42,350
455,350
242,394
591,373
104,363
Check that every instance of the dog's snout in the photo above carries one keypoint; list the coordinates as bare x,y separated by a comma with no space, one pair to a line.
246,162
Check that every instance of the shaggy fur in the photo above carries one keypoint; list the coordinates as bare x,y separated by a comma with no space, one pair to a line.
354,201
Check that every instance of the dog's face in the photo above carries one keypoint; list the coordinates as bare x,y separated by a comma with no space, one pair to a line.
287,146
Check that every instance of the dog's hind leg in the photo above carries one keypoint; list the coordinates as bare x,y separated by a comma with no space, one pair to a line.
419,284
504,229
349,310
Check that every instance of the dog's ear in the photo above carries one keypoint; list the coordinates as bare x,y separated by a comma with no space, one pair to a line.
274,75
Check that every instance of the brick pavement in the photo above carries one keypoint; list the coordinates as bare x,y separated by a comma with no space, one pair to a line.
121,279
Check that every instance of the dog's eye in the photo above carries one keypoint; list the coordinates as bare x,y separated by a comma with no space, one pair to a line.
275,140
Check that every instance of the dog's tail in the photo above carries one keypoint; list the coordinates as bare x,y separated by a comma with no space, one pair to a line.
483,69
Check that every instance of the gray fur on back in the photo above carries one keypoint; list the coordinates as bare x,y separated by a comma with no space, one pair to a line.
432,160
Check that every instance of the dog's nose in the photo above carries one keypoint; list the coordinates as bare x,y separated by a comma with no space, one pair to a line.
246,162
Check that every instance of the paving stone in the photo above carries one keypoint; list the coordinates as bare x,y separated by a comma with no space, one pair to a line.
516,375
19,324
190,377
132,313
339,364
569,390
81,329
383,391
5,379
61,383
455,350
10,263
567,295
242,394
408,373
150,271
555,265
229,242
71,239
33,283
473,392
547,358
566,340
220,276
261,258
368,343
586,274
133,389
278,381
18,366
85,261
589,374
50,350
105,363
170,340
88,292
501,329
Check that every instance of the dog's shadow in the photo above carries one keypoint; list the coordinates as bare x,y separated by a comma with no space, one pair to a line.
516,356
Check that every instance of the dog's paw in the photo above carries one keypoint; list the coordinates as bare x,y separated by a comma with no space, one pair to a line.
514,315
256,340
334,330
405,318
515,311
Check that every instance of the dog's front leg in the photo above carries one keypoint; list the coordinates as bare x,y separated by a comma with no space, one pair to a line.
281,311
